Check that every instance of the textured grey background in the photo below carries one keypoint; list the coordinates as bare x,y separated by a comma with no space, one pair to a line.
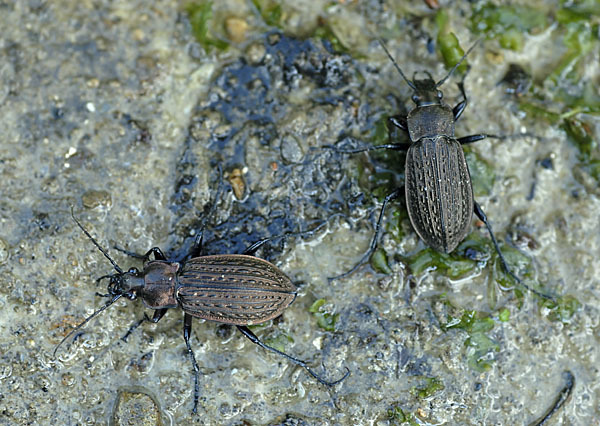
115,109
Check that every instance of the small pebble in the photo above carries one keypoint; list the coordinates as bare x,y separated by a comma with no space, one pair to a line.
3,251
236,29
92,199
136,408
238,185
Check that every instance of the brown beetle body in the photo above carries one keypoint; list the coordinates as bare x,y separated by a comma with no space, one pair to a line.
233,289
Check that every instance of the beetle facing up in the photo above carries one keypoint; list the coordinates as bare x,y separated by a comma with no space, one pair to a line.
236,289
438,190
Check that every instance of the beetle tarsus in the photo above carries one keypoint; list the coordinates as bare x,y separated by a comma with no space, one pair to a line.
399,122
254,339
187,331
252,249
482,216
156,251
394,146
390,197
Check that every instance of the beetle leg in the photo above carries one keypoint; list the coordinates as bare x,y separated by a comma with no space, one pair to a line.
396,146
196,250
134,327
187,331
158,314
254,339
129,253
470,139
390,197
398,121
250,251
460,107
158,254
481,215
474,138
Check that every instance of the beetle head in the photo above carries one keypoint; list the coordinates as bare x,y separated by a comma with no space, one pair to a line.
120,284
425,91
125,283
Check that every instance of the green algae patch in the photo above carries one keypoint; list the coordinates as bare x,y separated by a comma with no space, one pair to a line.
482,173
279,341
480,346
271,12
430,386
397,416
562,309
379,262
508,23
200,14
324,313
450,265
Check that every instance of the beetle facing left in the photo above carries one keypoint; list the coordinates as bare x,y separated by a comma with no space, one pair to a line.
235,289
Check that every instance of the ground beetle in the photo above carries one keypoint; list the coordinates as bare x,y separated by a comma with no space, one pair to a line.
439,196
236,289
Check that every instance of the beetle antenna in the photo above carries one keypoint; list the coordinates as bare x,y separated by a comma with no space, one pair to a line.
410,83
85,321
104,252
443,80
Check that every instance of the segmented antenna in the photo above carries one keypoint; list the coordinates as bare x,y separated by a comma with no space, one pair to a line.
410,83
439,83
104,252
113,300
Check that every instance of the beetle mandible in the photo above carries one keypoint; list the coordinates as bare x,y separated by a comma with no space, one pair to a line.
438,190
235,289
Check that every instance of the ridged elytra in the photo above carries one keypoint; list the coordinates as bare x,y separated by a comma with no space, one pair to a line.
236,289
437,187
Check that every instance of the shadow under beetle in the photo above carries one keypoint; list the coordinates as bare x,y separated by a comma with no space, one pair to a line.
235,289
438,191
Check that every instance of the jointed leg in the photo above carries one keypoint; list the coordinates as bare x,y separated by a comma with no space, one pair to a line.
187,331
390,197
474,138
398,121
158,314
196,250
395,146
250,335
251,250
158,254
481,215
460,107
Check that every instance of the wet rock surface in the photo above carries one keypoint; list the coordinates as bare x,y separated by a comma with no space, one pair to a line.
121,112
